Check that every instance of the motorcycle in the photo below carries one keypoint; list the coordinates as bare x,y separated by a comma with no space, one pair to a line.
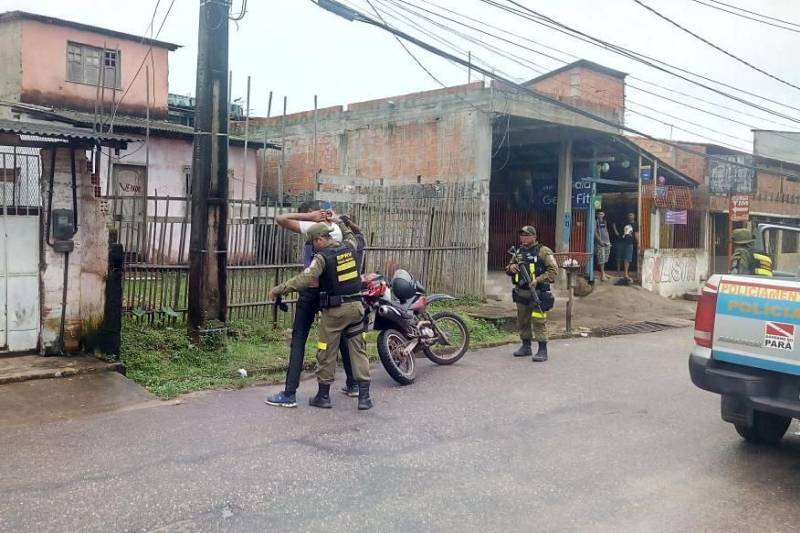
398,310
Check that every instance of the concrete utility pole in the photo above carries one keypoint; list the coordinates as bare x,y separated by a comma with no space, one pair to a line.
208,245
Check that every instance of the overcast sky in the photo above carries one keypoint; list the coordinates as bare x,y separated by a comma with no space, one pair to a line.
294,48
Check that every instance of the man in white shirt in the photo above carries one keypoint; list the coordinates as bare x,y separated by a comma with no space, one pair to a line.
309,214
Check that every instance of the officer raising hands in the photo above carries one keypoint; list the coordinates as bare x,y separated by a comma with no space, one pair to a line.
337,267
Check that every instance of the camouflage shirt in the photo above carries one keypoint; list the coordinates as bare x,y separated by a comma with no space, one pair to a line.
311,274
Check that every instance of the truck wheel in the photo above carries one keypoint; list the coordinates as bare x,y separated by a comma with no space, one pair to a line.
767,428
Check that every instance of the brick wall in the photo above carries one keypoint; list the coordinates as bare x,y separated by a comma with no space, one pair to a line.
693,165
587,89
88,263
436,146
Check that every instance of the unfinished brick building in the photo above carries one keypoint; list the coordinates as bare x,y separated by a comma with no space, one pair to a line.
531,154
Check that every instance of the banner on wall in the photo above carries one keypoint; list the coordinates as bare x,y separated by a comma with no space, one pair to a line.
545,195
674,216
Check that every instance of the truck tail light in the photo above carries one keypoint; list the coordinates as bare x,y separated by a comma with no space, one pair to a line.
704,316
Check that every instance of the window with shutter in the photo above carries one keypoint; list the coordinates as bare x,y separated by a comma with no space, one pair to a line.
91,65
74,63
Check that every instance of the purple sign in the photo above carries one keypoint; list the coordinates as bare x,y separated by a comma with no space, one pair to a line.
676,217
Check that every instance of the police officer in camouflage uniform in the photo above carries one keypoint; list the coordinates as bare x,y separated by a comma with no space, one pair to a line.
337,267
539,262
744,260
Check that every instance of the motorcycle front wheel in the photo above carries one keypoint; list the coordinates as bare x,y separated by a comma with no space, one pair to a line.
453,327
390,349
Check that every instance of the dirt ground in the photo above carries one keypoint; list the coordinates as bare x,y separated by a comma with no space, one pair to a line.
607,305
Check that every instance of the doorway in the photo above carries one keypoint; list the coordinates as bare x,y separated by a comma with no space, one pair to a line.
130,206
20,200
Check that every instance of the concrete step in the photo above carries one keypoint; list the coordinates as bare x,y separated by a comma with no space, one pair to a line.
14,369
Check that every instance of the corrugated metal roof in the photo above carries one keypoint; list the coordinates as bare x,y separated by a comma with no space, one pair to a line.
139,125
36,129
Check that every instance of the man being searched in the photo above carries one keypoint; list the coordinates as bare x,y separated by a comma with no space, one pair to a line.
744,260
532,269
337,268
310,213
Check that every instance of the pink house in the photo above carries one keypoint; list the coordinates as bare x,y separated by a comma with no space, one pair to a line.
69,73
63,64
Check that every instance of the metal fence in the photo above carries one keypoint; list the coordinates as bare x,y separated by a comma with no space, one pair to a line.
435,233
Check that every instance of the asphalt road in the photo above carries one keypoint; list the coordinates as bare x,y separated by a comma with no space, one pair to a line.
609,435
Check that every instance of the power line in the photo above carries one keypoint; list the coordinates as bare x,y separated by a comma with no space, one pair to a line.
141,65
756,13
574,57
680,128
739,139
562,61
744,16
644,59
507,55
716,46
354,15
709,102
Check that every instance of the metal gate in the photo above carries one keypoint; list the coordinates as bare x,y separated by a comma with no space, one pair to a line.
20,201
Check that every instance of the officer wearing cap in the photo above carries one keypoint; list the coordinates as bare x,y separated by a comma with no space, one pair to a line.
336,265
744,260
535,299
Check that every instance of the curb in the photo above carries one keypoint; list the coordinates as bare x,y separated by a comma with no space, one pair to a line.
62,373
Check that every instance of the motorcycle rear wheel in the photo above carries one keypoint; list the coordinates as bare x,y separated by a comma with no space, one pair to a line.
457,332
398,365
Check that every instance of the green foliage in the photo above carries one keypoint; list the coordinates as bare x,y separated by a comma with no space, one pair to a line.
161,357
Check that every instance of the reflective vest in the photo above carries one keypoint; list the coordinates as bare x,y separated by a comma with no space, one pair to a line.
535,266
763,265
341,275
747,262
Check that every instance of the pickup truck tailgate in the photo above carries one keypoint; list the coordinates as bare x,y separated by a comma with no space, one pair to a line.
757,322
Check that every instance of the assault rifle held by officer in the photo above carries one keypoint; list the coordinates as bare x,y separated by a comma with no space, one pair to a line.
532,269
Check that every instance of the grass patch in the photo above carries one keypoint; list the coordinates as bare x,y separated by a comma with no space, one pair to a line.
164,360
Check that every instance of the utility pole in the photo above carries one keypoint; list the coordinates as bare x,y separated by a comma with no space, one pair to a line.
208,245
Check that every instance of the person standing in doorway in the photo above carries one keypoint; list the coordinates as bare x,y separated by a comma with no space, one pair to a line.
602,243
308,214
627,242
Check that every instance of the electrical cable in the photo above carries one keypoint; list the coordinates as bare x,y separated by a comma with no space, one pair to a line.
141,65
755,13
419,63
511,57
610,102
715,46
709,102
574,57
645,59
354,15
742,15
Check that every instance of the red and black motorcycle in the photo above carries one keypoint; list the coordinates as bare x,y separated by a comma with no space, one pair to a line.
398,309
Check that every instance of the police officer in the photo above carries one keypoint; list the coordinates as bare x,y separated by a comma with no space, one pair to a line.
539,262
744,260
336,265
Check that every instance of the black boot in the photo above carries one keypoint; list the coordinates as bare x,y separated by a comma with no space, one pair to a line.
541,355
524,350
323,397
364,401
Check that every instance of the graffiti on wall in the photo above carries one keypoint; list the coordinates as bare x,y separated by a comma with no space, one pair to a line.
673,272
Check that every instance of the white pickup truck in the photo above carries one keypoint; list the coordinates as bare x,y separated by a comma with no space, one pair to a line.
746,342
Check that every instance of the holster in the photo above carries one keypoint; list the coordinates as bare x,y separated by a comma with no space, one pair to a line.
546,300
522,299
326,301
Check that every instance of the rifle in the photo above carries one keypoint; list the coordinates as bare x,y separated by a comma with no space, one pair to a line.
516,259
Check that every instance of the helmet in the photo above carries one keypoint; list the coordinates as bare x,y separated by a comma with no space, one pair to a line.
403,286
742,236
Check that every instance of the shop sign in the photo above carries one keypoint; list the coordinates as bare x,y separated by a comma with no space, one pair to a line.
739,208
674,216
